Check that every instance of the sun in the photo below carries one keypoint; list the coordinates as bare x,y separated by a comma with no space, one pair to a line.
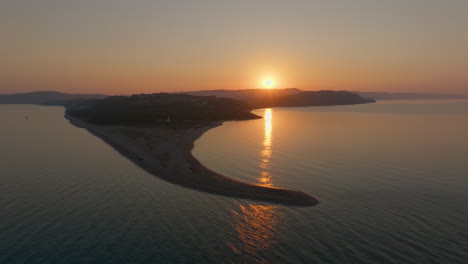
268,83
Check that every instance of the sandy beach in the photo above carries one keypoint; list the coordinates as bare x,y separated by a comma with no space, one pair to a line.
166,152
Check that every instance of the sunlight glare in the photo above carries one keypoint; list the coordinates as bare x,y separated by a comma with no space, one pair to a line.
268,83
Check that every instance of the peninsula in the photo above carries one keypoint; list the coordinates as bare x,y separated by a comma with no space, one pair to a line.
157,132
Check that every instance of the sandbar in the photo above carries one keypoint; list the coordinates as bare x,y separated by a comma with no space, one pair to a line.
166,152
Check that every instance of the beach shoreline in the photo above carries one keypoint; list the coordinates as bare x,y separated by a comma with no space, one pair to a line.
166,153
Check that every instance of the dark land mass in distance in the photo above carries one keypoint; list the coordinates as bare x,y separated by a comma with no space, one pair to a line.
157,132
256,97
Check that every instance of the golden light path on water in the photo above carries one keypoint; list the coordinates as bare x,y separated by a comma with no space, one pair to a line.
255,224
265,155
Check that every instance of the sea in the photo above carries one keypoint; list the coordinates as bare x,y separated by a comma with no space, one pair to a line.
391,177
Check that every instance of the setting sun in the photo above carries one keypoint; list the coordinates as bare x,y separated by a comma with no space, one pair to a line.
268,83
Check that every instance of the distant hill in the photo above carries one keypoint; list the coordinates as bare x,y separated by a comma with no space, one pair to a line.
260,98
47,97
399,96
247,95
321,98
255,98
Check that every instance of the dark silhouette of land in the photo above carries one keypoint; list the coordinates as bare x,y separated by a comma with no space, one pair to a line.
157,131
148,109
257,98
290,97
246,95
415,96
154,109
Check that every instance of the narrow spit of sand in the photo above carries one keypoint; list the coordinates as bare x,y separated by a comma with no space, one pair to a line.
167,153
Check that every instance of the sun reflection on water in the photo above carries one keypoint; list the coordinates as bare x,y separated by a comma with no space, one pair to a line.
265,154
255,224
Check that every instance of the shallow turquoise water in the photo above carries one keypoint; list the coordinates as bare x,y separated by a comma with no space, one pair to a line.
392,179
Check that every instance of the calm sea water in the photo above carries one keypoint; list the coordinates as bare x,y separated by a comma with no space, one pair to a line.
392,178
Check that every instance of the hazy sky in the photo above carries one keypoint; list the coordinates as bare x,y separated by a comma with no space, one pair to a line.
134,46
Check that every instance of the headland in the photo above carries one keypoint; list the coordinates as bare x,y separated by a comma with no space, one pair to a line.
157,132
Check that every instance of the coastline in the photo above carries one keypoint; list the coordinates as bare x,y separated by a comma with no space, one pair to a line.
166,153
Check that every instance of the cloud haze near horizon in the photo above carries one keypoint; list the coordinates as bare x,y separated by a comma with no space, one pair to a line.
124,47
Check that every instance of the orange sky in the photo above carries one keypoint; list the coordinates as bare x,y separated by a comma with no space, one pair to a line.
124,47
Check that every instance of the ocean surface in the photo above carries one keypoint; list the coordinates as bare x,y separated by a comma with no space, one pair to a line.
391,177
